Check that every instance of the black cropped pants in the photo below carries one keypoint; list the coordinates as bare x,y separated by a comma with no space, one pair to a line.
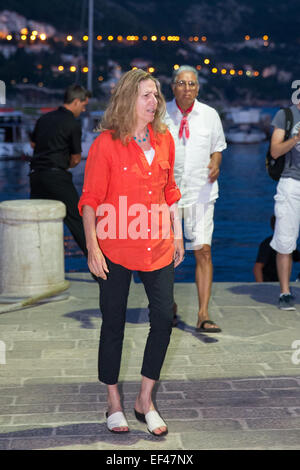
113,304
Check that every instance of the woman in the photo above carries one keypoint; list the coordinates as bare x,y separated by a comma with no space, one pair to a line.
129,184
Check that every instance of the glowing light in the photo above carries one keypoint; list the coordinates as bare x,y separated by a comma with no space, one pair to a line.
206,61
204,38
120,38
32,37
265,37
199,67
85,69
99,38
60,68
240,72
214,70
153,38
176,67
163,38
24,31
248,73
196,39
69,38
100,78
39,66
247,37
151,69
110,38
9,37
23,37
145,38
85,38
73,68
134,68
256,73
43,37
232,72
223,71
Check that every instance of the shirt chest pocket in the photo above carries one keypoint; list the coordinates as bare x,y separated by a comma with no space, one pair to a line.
164,168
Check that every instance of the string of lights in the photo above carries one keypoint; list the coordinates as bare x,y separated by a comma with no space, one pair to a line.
25,35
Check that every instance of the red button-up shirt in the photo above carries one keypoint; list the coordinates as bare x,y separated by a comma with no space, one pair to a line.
131,199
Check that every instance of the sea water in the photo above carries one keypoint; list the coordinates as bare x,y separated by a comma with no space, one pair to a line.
242,213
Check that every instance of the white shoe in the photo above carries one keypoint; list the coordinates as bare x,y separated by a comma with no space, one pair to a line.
153,420
116,420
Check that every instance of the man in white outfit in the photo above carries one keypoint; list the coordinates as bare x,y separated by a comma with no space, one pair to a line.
287,201
199,141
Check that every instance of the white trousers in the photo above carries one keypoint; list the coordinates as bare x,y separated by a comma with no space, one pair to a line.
287,213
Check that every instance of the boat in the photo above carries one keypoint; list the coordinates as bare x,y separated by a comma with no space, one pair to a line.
14,137
245,126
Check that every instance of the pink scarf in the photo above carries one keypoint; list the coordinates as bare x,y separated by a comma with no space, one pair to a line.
184,125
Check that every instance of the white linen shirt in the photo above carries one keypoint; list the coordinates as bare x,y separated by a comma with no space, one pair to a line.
192,155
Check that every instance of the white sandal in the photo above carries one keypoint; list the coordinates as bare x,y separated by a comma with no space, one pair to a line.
153,421
116,420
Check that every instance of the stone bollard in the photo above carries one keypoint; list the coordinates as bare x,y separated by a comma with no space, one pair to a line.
31,247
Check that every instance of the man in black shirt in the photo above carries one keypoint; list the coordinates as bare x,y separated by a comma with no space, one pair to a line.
56,140
265,269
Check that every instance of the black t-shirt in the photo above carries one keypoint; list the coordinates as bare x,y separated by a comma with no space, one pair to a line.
57,135
267,256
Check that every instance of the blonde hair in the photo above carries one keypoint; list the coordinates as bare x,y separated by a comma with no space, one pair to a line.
120,115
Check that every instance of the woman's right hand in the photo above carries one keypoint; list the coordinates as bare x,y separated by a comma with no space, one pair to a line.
97,263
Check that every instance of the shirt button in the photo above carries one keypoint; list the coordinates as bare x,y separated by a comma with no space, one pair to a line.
149,229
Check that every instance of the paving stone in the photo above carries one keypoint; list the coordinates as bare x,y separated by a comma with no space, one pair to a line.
56,398
27,409
13,432
247,440
238,389
4,444
274,423
244,412
265,383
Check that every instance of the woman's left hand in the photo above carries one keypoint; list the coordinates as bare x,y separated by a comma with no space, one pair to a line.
178,251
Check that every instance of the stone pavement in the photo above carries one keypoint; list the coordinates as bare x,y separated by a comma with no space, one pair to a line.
236,390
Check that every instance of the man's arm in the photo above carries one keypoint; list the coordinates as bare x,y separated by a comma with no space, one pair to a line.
75,159
214,166
280,147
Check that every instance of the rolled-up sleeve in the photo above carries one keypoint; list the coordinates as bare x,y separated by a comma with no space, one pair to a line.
218,142
172,192
96,175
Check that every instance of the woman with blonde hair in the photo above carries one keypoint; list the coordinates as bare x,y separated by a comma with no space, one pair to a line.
128,206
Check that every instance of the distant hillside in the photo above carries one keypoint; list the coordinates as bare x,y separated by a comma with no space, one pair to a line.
227,19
